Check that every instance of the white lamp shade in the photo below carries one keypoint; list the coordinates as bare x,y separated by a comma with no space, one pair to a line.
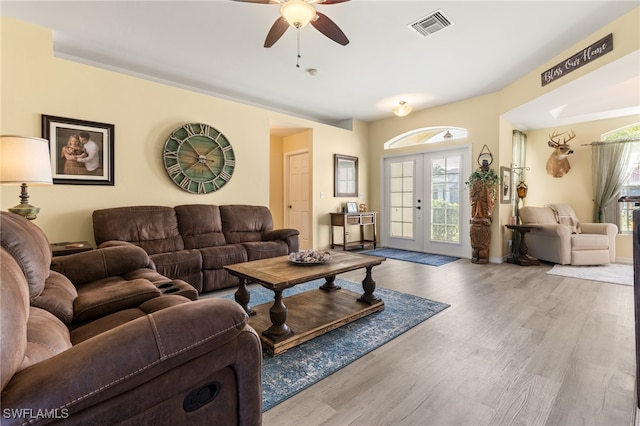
24,160
297,13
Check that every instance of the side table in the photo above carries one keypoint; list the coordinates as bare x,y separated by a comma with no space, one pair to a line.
523,259
70,247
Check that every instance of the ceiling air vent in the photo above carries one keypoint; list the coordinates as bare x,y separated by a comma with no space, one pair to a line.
431,23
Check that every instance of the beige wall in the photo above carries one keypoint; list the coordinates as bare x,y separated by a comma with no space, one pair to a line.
34,82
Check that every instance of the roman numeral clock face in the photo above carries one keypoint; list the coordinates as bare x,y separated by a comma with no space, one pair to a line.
198,158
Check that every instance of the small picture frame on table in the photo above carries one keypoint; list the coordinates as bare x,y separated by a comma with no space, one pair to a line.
351,207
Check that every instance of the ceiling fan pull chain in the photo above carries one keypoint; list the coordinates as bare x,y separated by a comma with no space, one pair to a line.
298,58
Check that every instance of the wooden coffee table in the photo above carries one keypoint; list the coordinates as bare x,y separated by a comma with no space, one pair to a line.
313,313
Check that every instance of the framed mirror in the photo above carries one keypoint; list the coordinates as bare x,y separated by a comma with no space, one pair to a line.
345,170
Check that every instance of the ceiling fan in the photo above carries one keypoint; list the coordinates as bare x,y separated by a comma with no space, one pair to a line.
297,14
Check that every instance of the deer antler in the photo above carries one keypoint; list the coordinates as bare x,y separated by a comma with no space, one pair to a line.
555,135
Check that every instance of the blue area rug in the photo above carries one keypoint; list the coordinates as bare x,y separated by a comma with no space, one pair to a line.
302,366
412,256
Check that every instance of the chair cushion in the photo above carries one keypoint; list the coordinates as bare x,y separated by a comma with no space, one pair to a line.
104,297
589,242
242,223
538,215
57,297
29,247
46,336
14,313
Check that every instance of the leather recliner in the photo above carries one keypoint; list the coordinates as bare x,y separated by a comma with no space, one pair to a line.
108,346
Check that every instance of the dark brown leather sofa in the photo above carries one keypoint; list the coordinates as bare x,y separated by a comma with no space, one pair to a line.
194,242
96,341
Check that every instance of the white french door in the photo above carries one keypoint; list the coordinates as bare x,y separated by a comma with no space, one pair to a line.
425,206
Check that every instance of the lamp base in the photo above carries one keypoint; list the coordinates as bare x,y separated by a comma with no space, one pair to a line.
26,210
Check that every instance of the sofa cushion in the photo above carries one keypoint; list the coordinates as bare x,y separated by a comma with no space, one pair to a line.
538,215
178,264
219,257
46,336
200,225
109,295
57,297
14,313
589,242
29,246
242,223
154,228
257,250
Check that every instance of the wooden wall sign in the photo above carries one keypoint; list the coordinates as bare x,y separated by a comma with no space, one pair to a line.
581,58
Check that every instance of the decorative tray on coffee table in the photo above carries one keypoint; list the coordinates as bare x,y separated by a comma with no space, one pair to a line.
309,257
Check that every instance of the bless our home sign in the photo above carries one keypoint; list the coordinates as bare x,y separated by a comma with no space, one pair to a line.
596,50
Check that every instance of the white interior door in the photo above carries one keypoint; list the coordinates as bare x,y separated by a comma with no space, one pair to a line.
425,204
298,199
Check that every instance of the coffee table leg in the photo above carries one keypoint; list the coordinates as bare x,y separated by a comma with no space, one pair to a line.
329,284
242,296
369,286
278,314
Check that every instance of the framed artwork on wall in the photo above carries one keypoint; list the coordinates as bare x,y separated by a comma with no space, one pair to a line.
506,185
81,151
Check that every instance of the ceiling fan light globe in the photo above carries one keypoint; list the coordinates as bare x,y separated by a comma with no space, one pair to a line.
297,13
402,109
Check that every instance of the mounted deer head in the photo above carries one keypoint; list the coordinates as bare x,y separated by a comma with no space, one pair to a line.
558,163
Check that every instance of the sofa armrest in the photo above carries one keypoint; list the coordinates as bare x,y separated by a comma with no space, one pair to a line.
288,235
114,243
279,234
553,230
93,265
120,361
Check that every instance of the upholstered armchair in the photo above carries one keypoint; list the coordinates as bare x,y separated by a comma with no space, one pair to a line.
99,341
563,239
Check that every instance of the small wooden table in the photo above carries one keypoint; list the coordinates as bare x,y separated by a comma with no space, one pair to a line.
523,259
314,312
69,247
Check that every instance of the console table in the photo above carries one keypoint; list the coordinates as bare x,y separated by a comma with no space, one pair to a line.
346,219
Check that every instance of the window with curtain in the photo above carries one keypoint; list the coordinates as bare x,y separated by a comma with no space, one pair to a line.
617,158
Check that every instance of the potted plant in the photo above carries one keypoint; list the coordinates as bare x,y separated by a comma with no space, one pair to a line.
483,191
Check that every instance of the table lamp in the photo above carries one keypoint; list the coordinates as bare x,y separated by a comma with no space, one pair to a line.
25,160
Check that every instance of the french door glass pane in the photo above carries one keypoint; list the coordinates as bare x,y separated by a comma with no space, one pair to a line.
401,197
445,199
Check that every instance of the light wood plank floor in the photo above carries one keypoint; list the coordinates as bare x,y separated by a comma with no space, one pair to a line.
516,347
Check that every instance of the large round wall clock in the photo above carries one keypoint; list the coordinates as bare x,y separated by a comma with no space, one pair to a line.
198,158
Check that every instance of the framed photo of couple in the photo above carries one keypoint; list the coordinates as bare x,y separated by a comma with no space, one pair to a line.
81,151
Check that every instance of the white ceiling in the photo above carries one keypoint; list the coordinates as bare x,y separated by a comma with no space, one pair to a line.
215,47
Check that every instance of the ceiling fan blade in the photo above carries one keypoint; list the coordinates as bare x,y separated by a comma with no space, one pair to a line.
277,29
327,1
329,28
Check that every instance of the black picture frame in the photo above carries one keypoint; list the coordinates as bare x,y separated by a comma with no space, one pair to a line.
506,185
345,168
74,162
